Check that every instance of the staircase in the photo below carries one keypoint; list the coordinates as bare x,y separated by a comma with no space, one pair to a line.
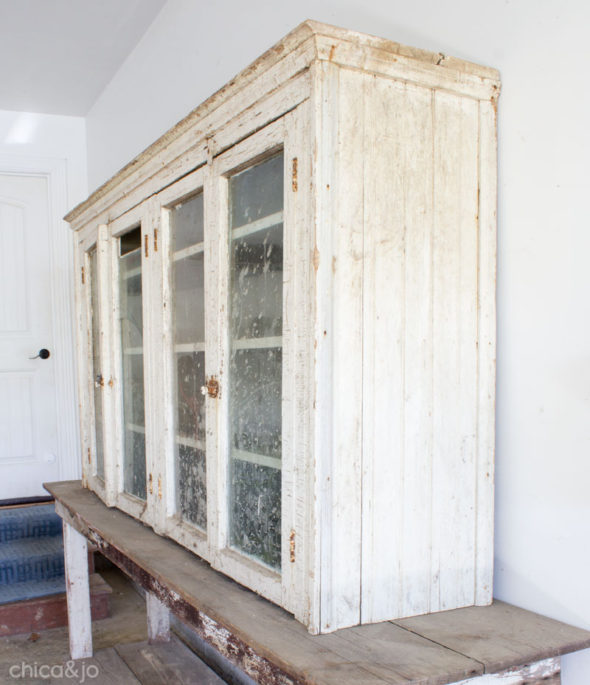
32,581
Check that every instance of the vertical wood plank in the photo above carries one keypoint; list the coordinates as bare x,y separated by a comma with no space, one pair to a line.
297,476
383,324
158,619
341,264
455,350
217,352
83,346
397,351
103,247
416,532
484,560
77,592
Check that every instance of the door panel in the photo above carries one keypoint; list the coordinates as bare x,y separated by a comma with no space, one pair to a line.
28,432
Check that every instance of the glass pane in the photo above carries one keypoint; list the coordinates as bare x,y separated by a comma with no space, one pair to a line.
186,222
134,466
186,226
257,192
255,368
96,363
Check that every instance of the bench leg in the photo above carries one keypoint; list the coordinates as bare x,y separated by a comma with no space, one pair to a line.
78,593
158,619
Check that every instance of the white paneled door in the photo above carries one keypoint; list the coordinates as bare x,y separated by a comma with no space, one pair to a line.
28,411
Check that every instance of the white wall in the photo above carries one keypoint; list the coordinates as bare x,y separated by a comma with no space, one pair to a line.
25,134
543,401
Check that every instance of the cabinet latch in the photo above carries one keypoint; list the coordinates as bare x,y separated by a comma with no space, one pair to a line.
212,387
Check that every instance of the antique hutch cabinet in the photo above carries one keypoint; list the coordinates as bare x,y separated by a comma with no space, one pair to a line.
287,330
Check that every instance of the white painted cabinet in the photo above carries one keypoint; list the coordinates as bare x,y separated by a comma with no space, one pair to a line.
287,330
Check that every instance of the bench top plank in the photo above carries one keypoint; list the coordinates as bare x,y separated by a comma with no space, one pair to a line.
500,636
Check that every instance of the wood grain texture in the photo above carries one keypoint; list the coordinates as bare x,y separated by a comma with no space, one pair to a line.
500,636
77,592
170,663
257,636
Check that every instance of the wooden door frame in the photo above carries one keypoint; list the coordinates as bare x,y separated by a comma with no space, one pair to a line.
61,257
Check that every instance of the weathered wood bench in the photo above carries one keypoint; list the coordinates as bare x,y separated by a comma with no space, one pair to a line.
459,646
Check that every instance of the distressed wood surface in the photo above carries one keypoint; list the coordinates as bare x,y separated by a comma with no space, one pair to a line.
500,636
311,40
158,619
273,647
388,315
546,672
171,663
77,592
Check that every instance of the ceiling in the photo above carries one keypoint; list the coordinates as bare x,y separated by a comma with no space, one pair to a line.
56,56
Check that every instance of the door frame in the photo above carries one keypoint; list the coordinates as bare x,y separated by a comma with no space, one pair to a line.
61,256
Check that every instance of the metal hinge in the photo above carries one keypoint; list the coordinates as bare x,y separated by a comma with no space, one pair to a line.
150,485
155,239
145,245
82,275
292,547
294,184
89,459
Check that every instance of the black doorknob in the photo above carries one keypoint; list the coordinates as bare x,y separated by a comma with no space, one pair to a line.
43,354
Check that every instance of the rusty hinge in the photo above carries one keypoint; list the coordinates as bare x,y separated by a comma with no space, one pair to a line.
150,485
159,487
211,388
145,245
89,459
155,239
292,546
82,275
294,184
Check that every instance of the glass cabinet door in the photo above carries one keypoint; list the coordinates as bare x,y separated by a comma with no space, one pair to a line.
188,304
255,361
131,331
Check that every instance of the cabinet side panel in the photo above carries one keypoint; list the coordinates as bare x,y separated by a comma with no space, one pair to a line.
397,387
339,264
487,355
455,264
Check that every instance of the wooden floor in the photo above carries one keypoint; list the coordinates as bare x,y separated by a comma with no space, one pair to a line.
139,662
122,654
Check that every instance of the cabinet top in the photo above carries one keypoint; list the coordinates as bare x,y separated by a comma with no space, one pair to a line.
310,42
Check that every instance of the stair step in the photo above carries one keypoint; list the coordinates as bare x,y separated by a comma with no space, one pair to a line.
18,592
40,613
37,521
31,559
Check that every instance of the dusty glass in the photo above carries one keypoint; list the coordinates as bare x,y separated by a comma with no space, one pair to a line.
255,368
188,273
131,323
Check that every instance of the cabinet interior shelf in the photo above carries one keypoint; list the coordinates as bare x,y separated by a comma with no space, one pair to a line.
190,251
258,225
255,458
